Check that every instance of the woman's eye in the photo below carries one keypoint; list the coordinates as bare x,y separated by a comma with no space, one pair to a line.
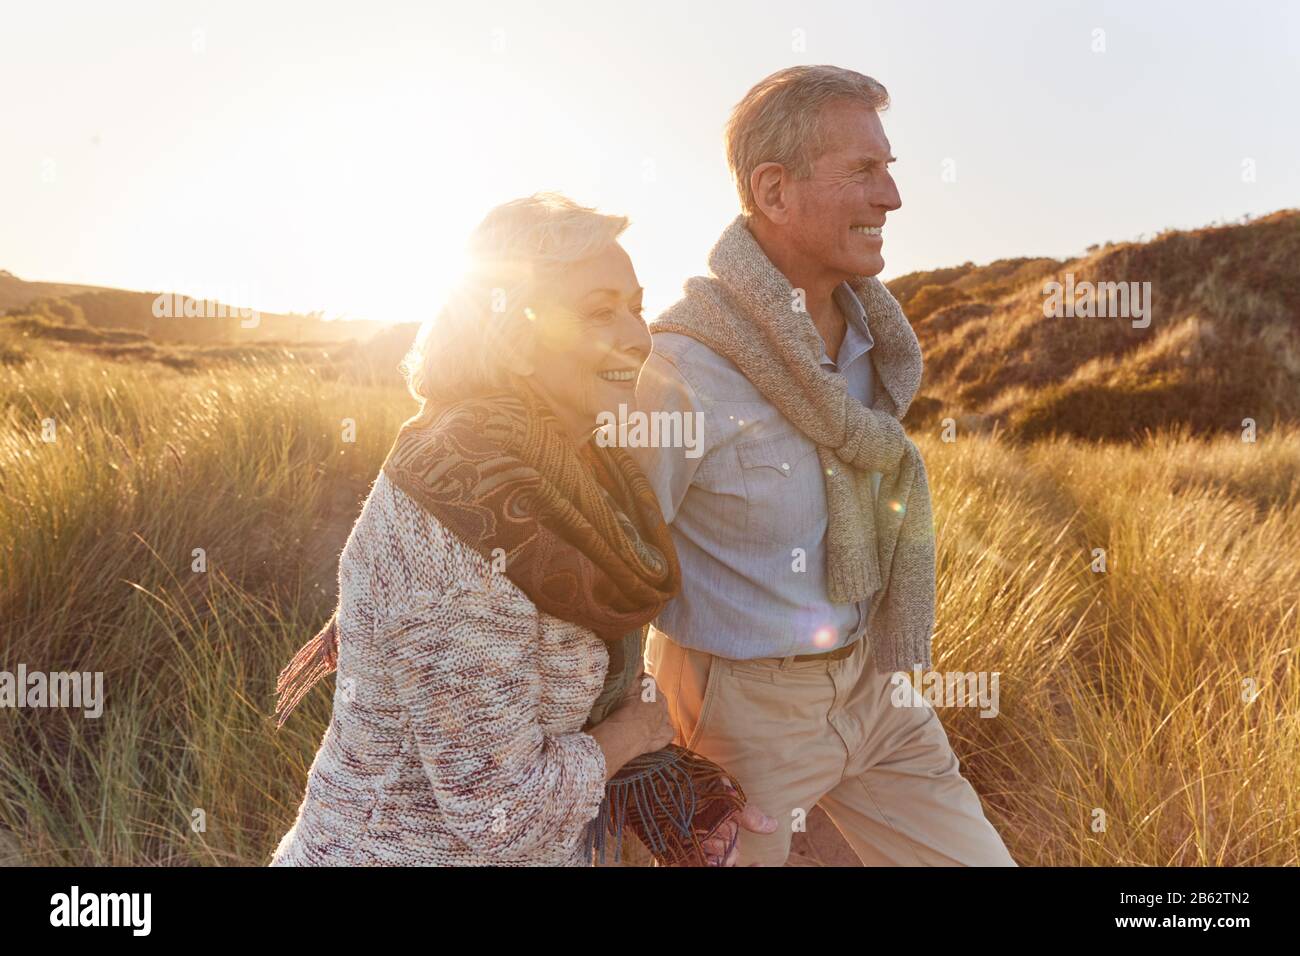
608,315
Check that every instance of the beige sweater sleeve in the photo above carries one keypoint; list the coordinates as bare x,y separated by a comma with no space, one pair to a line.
464,656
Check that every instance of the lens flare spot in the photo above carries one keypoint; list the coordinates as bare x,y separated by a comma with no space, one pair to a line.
824,637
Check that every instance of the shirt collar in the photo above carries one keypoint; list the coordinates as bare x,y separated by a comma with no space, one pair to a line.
857,336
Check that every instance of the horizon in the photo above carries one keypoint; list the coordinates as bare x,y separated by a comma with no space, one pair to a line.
1242,220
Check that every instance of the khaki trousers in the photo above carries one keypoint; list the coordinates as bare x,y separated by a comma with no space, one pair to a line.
799,734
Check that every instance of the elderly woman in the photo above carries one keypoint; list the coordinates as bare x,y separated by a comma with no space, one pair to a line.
494,591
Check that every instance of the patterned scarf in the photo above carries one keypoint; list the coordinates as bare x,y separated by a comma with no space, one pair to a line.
579,531
499,474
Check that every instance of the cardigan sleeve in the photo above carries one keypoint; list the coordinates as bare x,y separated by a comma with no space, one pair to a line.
465,665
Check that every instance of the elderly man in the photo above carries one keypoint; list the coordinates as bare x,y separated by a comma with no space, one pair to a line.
804,526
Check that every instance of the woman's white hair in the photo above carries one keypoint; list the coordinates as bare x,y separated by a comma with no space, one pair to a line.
779,120
514,252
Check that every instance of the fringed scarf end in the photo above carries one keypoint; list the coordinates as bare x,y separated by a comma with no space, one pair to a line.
672,799
315,659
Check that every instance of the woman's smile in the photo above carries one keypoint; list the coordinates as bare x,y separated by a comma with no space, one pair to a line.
621,376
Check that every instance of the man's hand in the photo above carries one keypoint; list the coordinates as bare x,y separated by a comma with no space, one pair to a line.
723,848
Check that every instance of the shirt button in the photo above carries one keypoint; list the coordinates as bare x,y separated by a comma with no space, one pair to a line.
785,465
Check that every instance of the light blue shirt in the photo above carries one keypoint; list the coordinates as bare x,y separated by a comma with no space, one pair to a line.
748,516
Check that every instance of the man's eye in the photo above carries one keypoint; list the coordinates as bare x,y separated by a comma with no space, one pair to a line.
602,315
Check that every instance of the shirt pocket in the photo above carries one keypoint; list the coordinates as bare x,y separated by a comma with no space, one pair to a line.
784,493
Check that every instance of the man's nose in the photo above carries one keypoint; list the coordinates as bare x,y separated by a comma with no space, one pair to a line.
888,197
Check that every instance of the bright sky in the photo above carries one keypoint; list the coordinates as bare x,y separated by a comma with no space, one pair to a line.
334,156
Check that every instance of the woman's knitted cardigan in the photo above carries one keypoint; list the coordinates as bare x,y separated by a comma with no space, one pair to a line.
455,737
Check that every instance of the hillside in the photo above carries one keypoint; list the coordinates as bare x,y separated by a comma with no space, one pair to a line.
1222,343
135,311
121,325
15,293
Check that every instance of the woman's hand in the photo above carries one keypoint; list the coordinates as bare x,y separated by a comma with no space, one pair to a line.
652,717
633,728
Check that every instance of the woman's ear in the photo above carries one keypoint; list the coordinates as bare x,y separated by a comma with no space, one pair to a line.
517,340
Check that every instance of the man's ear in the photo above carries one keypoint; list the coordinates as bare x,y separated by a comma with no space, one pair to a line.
767,182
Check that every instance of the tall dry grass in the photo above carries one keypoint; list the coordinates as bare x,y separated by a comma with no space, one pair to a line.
97,537
1150,712
1120,691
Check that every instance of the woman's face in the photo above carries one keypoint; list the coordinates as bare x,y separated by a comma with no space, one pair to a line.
589,340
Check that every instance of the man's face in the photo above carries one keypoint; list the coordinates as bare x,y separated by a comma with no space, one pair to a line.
848,194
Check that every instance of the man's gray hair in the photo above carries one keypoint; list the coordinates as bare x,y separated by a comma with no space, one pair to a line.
779,120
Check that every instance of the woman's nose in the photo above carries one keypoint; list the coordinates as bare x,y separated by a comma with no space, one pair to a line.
634,337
